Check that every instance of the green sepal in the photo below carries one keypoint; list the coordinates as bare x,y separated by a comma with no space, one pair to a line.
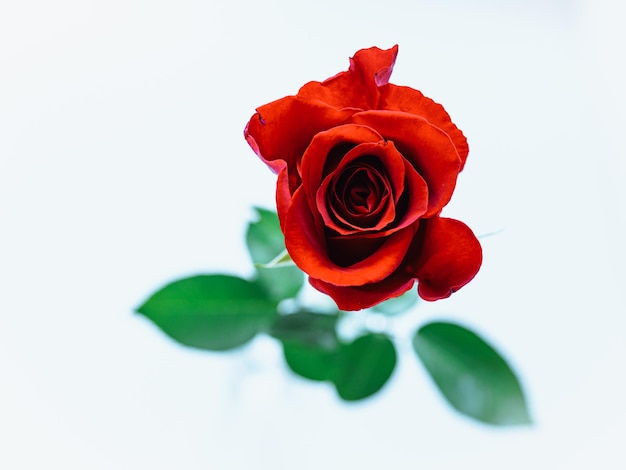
282,260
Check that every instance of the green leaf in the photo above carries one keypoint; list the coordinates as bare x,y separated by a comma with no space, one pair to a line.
309,361
309,328
363,366
399,304
470,374
214,312
309,341
312,350
266,244
281,283
264,238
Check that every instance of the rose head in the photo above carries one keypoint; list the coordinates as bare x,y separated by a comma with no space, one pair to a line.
364,168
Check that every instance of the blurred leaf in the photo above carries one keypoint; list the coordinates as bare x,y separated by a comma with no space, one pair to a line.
266,244
470,374
312,350
398,304
264,238
309,343
362,367
215,312
281,283
309,361
308,328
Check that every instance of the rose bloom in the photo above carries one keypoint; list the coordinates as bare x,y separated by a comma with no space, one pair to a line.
364,168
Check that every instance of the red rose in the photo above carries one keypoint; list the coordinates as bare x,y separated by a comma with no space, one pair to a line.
364,169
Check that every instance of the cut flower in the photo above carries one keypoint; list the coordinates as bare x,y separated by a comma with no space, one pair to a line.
364,169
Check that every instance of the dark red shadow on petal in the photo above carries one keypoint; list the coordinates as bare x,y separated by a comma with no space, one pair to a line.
348,251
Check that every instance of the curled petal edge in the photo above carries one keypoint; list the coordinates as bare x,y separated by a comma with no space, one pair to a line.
450,257
307,248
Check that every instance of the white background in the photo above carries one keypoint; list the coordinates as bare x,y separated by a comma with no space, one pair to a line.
123,166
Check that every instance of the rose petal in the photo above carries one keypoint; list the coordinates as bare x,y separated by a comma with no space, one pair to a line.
417,196
344,90
402,98
374,65
427,147
358,87
356,298
450,257
306,244
281,130
283,196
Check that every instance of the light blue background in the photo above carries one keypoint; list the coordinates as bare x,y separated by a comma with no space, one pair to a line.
123,166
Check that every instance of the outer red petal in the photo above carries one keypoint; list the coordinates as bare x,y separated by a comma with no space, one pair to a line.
358,87
281,130
426,147
360,297
307,248
412,101
449,258
283,196
374,65
344,90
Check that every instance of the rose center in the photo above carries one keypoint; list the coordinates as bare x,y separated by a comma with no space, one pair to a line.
362,192
359,194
